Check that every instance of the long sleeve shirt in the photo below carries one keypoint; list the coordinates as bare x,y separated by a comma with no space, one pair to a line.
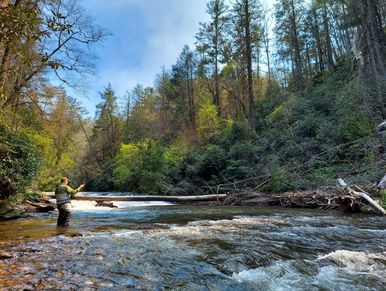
64,193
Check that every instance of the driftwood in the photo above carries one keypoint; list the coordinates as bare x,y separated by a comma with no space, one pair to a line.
323,198
39,207
177,199
360,194
105,204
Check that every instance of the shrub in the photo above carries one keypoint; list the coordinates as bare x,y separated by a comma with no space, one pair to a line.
281,179
383,198
209,123
355,121
238,130
141,167
20,162
212,162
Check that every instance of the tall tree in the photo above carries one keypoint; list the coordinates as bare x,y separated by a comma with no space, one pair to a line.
288,22
37,36
248,29
166,105
183,78
106,133
143,121
326,27
211,40
368,46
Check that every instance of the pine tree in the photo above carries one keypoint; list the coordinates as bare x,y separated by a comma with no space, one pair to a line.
211,42
247,37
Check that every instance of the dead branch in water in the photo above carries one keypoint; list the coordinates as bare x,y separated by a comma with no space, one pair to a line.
360,194
324,198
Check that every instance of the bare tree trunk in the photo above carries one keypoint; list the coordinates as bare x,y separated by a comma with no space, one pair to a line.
345,31
216,76
328,38
318,42
266,45
375,36
162,106
308,61
251,99
4,53
297,58
374,52
268,59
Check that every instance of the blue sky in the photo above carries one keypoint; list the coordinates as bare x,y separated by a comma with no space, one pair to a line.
146,35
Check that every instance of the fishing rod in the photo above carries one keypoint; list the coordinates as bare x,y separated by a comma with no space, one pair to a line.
100,173
90,142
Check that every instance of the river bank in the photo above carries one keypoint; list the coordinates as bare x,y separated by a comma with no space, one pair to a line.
322,198
326,198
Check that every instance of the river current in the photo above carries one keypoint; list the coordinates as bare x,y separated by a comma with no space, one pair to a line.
160,246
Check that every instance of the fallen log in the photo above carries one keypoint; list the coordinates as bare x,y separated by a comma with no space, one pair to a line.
38,207
182,199
342,184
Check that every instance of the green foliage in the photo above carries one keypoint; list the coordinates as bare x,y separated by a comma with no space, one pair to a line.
204,165
209,123
281,179
355,121
242,160
23,196
141,167
20,162
238,130
212,162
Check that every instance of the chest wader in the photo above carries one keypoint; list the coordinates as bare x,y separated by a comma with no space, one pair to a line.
65,214
63,194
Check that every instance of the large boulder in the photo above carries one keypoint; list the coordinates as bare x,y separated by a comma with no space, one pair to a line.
8,211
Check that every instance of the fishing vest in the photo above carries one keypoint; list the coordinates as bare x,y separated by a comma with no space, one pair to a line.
63,194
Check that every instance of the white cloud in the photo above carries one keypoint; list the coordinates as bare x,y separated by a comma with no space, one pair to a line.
147,34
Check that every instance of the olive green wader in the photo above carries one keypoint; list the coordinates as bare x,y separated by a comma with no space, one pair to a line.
63,194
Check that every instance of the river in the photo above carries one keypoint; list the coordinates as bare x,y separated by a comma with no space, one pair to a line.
160,246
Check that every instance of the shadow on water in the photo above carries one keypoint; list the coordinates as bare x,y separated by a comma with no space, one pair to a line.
195,247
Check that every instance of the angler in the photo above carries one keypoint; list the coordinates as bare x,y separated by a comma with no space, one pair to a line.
63,195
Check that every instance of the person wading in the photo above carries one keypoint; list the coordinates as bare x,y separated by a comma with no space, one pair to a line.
63,194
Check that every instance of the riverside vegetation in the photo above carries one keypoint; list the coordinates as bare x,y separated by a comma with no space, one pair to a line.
280,108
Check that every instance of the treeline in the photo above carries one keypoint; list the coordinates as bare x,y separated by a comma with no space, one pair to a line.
275,105
253,105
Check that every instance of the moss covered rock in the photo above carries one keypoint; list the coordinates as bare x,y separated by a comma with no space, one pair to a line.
8,211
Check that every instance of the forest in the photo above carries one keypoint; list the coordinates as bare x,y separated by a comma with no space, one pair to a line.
275,100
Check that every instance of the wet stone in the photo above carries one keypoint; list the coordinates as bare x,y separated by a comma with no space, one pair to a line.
6,255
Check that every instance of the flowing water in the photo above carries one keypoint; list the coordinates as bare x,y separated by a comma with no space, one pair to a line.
159,246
